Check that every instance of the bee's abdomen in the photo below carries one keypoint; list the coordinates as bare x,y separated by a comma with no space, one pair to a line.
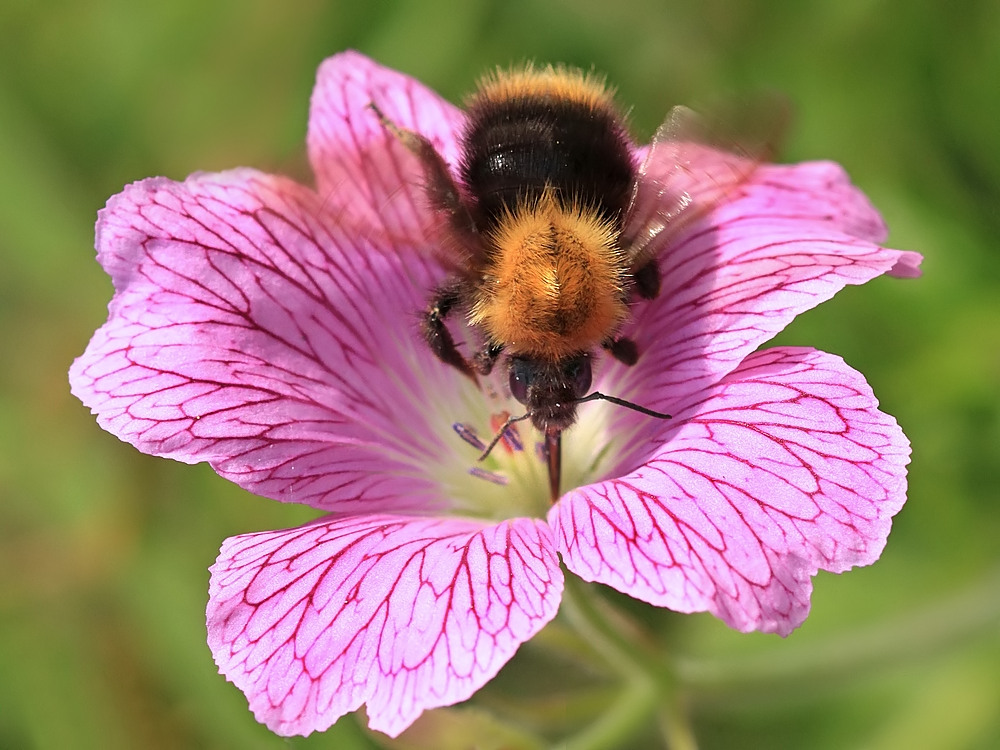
516,149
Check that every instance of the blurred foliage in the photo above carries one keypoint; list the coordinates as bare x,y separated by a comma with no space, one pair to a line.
103,552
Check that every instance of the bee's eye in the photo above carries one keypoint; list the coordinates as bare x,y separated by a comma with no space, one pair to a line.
578,375
520,379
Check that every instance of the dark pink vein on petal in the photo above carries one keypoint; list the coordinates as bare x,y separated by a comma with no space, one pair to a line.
786,469
366,178
400,614
787,241
248,331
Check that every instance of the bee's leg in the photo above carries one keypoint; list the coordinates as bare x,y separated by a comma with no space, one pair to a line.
442,192
647,280
624,350
436,333
486,358
646,283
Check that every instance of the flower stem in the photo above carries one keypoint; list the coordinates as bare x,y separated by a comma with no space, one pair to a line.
934,628
650,686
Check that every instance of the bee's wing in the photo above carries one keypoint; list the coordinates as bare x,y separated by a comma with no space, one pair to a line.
691,165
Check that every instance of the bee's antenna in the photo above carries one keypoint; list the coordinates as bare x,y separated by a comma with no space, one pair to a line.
597,396
501,431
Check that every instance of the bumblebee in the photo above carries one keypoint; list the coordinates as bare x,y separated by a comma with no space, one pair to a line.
552,229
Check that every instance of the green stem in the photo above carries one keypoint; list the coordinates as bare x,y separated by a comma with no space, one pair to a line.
650,686
675,726
634,706
934,629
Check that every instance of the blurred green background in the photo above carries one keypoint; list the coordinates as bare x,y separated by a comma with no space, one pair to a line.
103,551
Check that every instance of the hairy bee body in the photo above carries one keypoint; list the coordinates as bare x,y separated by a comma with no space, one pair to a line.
551,228
547,165
550,130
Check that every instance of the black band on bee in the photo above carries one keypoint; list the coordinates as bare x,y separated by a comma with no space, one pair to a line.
516,148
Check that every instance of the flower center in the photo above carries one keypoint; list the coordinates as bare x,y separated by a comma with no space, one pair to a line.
512,480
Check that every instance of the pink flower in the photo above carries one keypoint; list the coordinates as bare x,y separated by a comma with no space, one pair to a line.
272,330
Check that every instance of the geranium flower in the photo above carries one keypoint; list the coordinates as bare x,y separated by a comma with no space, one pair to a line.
271,329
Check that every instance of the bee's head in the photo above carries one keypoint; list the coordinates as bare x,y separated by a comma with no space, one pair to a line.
550,389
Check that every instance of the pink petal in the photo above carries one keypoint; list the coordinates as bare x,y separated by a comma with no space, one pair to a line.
401,614
250,331
367,179
788,240
908,266
787,469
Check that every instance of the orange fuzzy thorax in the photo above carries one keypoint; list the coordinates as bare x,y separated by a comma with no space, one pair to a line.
554,283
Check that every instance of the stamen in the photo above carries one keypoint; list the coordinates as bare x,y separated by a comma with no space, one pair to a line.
489,476
511,439
541,451
468,434
501,432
